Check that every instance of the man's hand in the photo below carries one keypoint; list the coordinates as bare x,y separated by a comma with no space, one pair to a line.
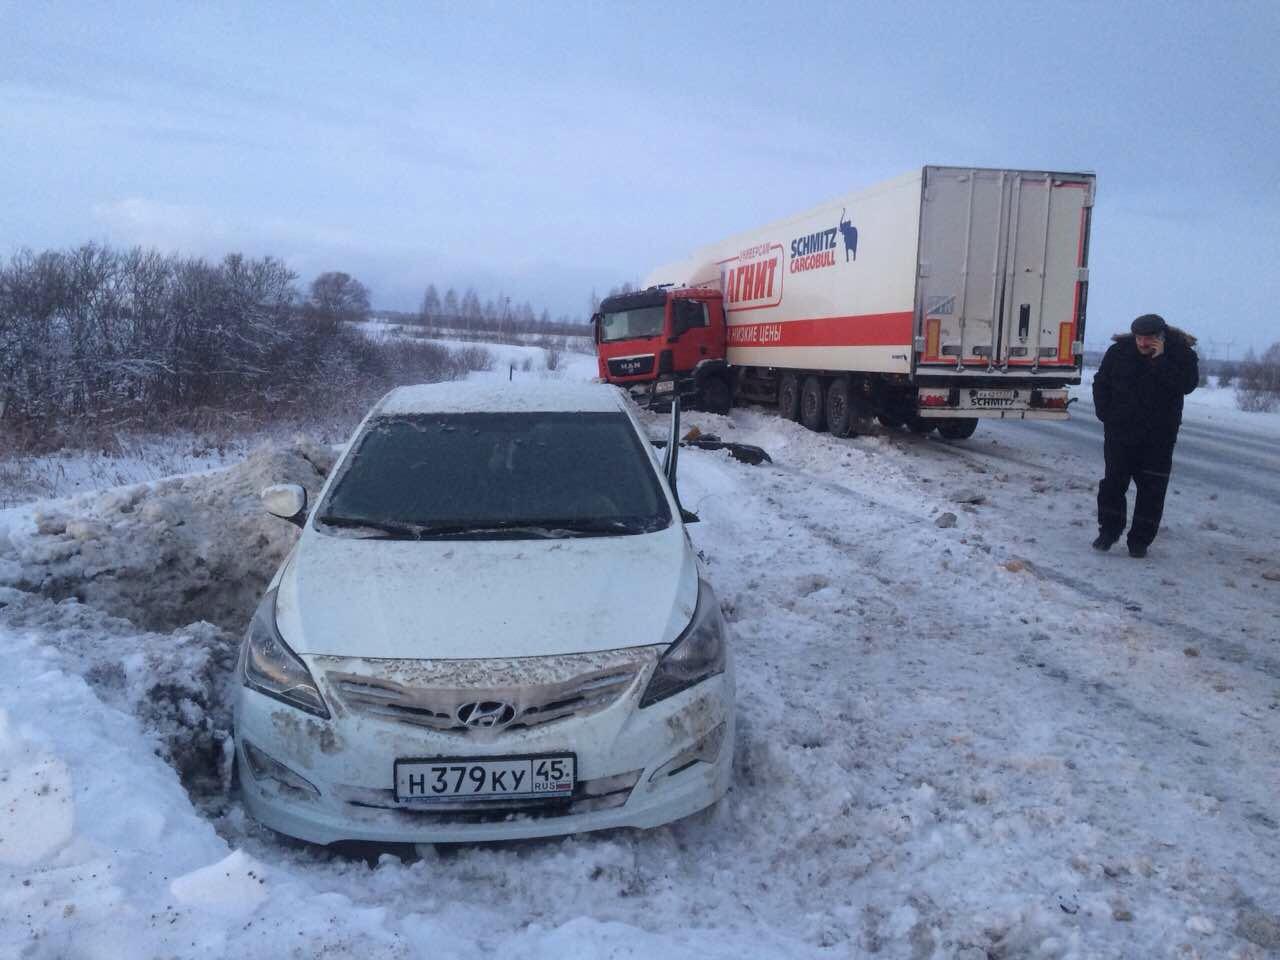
1149,345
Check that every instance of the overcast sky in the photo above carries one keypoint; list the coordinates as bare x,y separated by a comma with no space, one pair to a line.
542,150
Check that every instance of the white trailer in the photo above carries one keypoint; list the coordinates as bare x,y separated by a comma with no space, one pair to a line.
945,295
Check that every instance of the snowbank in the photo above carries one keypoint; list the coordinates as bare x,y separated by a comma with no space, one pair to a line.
965,738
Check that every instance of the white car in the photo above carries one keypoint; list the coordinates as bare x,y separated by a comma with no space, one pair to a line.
493,626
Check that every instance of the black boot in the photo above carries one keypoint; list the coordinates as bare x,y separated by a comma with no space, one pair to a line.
1104,542
1137,550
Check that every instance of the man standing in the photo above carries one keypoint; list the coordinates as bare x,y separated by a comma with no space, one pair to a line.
1137,394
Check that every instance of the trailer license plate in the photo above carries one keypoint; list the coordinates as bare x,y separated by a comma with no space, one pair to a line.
462,778
991,398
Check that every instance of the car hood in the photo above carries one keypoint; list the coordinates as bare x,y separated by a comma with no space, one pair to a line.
464,599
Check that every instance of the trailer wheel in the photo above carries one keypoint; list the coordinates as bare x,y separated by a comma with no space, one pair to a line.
960,428
920,425
840,420
813,404
789,397
716,396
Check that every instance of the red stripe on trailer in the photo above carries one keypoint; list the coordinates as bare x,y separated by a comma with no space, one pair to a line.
864,330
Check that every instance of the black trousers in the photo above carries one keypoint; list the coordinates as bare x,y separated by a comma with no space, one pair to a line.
1147,464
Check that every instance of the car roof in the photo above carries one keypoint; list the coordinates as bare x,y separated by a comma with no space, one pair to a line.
502,397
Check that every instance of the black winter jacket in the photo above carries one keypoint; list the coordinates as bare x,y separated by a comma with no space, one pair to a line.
1138,398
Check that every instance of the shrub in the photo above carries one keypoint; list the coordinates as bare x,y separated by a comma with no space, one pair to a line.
1259,384
93,340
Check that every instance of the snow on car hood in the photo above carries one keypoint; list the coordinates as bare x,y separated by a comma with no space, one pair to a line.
462,599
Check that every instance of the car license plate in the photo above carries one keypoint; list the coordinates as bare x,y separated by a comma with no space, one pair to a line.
665,386
547,777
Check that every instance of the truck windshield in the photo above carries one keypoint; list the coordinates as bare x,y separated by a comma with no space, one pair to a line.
626,324
489,476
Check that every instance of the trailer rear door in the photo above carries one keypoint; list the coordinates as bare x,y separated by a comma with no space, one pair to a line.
1002,271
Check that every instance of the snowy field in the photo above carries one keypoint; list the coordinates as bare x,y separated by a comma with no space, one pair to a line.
134,459
962,733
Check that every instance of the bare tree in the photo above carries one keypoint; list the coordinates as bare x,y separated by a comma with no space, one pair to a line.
430,306
337,297
1259,384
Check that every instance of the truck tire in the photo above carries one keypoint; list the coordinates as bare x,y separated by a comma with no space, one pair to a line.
960,428
813,404
716,396
840,419
789,397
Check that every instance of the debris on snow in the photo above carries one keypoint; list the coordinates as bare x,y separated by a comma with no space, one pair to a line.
36,811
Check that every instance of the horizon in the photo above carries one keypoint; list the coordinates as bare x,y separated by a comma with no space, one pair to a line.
408,146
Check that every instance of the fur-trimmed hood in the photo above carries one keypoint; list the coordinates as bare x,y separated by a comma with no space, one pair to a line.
1174,334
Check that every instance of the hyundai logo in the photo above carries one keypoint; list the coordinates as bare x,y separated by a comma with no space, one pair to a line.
485,713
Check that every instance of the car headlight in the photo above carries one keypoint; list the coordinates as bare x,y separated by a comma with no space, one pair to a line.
270,667
697,654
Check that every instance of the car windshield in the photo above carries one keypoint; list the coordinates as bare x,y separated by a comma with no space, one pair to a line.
625,324
497,476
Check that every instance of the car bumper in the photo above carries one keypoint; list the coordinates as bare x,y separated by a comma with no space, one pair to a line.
635,769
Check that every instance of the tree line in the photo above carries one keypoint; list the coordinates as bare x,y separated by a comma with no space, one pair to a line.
468,314
99,337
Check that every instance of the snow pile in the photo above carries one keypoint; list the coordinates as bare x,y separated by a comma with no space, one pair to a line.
146,590
35,800
167,554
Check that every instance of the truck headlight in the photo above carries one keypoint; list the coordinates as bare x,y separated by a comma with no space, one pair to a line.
697,654
270,667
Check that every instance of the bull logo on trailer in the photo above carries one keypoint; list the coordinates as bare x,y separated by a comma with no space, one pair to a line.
817,250
849,233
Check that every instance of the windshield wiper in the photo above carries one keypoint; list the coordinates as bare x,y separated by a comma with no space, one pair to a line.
388,528
542,529
506,529
616,526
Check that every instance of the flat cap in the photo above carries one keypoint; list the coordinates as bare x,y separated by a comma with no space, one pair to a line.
1148,325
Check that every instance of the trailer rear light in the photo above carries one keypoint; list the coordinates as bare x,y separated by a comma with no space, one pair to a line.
1042,400
932,337
939,398
1065,331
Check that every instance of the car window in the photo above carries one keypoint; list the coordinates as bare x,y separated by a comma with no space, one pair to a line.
497,475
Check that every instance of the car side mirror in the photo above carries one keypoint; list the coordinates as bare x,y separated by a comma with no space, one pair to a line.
288,501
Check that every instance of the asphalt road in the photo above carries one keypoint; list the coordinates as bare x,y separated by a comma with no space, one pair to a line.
1228,460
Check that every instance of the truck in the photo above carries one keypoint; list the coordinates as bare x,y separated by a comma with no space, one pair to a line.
931,301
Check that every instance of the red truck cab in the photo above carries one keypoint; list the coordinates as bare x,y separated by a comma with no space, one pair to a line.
662,341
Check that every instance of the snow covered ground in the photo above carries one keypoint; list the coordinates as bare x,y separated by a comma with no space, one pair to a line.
962,733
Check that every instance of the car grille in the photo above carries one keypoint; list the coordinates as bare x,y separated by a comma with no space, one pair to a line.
516,694
631,366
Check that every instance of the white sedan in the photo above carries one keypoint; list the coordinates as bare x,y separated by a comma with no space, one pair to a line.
493,626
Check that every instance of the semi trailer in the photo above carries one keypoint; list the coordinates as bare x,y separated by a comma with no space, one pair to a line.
934,300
